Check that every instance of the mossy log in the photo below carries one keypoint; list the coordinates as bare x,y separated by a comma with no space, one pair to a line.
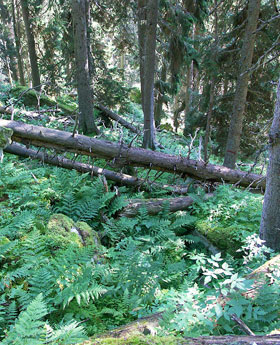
127,155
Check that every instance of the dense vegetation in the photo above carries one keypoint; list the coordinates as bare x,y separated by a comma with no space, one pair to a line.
74,265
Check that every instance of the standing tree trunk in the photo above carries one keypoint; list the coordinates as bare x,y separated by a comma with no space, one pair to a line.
9,39
18,45
85,92
31,46
147,25
209,118
212,87
188,100
235,129
160,96
270,222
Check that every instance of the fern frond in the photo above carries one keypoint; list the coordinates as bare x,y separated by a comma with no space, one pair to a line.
71,333
29,327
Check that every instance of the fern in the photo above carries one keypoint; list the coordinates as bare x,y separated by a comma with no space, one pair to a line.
30,329
71,333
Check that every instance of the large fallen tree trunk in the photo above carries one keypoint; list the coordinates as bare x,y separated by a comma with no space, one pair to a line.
126,155
119,178
203,340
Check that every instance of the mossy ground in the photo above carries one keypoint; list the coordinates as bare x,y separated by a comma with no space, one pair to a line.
30,98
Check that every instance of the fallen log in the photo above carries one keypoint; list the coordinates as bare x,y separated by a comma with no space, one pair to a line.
119,178
117,118
203,340
235,340
126,155
154,206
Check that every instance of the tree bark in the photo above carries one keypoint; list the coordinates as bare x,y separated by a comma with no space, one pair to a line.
188,100
209,118
18,45
85,92
36,83
147,26
235,129
160,96
9,39
126,155
270,222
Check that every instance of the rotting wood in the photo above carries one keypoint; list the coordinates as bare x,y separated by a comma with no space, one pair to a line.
119,178
154,206
126,155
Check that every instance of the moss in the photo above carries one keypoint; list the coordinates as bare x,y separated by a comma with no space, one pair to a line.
221,236
89,236
65,106
30,99
138,340
166,126
63,230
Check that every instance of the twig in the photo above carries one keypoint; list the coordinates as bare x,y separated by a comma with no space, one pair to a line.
266,22
192,141
258,63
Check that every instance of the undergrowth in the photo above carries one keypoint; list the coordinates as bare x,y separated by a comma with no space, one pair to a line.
57,291
146,263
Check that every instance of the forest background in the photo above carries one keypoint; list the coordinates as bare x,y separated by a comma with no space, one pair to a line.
166,107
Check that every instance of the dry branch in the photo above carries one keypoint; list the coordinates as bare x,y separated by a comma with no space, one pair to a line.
125,155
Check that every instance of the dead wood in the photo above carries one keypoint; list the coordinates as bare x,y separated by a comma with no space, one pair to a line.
126,155
154,206
113,116
234,340
119,178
